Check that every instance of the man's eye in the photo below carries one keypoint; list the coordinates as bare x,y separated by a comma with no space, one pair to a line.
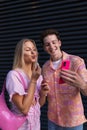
46,44
27,49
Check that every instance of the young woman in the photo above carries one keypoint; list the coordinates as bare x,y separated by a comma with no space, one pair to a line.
26,99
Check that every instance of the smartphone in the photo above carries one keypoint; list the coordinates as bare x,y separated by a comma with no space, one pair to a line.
65,65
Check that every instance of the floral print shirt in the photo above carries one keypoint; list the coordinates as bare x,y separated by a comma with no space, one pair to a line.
65,106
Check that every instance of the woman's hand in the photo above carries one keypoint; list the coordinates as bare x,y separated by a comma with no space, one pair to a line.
36,72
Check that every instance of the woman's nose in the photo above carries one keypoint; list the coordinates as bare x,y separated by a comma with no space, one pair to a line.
32,52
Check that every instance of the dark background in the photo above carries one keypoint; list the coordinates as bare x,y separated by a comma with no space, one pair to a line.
28,18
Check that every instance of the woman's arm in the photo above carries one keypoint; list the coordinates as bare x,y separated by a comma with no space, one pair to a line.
23,102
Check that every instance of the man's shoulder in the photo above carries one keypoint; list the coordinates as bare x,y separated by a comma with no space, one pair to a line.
76,58
46,64
73,57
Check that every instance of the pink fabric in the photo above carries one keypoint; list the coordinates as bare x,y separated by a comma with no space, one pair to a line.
15,85
65,106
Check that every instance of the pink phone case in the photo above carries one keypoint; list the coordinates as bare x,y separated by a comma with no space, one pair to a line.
65,65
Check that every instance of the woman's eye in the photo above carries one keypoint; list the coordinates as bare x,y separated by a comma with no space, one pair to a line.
28,50
31,50
34,50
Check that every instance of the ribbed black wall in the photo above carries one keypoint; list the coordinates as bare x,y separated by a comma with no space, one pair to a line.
28,18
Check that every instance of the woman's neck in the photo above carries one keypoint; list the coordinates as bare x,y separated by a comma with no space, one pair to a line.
27,70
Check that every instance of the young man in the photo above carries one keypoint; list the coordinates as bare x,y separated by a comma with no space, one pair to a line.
65,108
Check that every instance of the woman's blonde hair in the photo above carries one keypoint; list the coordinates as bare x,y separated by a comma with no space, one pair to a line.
18,55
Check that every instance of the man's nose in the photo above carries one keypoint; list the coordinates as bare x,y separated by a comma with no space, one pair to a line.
51,45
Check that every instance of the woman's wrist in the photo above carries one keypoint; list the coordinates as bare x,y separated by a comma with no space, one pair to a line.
33,81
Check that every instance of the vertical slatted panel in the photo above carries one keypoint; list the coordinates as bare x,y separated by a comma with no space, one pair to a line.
28,18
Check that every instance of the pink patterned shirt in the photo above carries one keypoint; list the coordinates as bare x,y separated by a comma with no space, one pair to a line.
65,106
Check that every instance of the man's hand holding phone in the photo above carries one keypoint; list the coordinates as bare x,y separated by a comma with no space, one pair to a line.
65,66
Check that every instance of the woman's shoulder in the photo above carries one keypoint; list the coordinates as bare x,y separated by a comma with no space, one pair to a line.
11,72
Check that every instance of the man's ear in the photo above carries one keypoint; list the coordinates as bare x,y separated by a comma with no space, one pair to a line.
44,48
60,43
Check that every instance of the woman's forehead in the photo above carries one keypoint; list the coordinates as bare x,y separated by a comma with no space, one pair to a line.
29,44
